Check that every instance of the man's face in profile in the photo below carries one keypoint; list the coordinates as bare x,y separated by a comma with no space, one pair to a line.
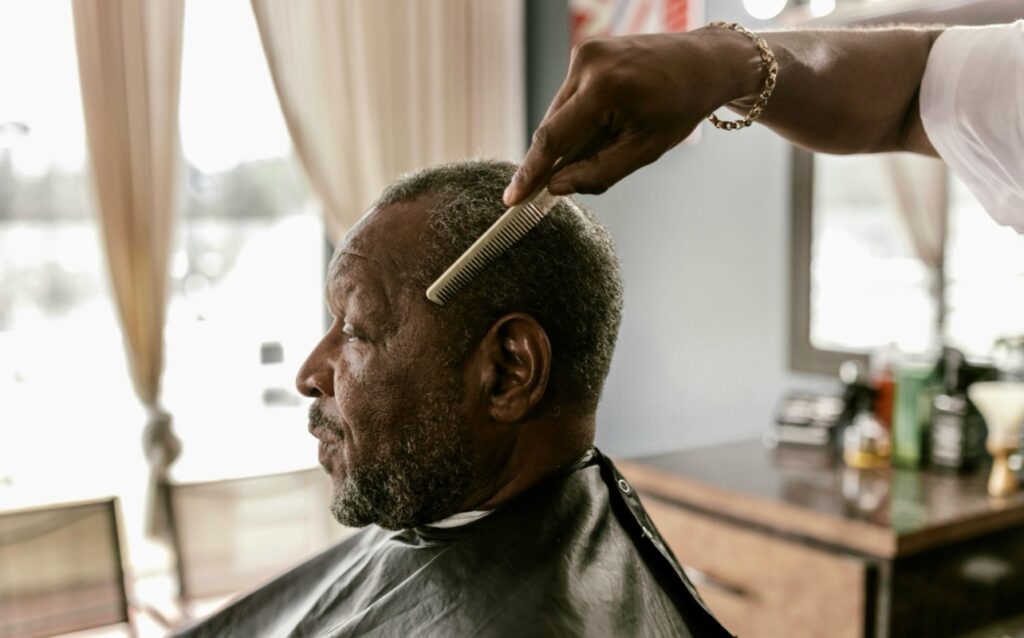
389,409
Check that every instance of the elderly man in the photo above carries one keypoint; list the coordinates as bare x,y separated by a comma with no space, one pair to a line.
461,437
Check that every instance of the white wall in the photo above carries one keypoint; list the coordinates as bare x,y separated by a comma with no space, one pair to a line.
704,239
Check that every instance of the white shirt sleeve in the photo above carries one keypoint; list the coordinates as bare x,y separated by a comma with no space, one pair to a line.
972,108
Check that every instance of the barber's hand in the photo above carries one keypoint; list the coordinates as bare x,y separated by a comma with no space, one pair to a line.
626,100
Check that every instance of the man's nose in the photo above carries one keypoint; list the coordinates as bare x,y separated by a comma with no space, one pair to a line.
316,376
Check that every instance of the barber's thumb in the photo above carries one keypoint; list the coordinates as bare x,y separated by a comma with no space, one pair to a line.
517,189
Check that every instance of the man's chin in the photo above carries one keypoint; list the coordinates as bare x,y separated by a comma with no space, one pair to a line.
347,511
355,506
337,470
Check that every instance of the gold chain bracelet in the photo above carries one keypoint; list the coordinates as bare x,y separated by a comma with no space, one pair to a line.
771,68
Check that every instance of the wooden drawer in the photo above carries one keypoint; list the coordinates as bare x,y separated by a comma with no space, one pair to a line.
759,585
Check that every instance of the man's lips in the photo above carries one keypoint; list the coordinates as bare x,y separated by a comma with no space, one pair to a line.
326,431
325,452
321,426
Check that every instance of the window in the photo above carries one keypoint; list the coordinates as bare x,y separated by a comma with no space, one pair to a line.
896,250
868,287
246,275
984,275
61,361
893,249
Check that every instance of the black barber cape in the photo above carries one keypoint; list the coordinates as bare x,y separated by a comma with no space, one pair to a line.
576,555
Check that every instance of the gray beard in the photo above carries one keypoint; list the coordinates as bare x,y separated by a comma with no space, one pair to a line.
422,479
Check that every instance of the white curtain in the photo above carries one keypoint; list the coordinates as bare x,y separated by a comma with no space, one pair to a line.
920,188
373,88
129,62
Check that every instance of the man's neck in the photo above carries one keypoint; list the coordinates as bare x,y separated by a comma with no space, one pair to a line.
540,449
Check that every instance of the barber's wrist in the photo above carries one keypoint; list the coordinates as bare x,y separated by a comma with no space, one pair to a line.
737,63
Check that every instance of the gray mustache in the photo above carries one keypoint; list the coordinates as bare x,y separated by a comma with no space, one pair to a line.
318,419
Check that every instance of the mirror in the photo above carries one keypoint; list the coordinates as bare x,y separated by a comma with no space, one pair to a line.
896,250
893,248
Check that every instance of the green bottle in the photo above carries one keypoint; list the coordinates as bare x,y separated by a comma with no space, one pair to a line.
916,385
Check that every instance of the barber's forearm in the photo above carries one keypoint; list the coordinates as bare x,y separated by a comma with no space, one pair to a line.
629,99
848,91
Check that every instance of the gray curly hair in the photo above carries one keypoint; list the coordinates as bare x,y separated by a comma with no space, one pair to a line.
564,273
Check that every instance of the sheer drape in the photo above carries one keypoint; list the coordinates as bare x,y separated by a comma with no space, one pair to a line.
920,187
129,58
373,88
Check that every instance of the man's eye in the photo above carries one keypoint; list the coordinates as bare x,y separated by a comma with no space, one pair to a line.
350,333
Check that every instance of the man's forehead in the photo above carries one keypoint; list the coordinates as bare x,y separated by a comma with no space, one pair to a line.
387,244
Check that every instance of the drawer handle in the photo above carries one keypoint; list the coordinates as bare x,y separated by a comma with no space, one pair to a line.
704,579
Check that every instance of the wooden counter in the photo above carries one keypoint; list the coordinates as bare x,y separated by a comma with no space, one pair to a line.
790,543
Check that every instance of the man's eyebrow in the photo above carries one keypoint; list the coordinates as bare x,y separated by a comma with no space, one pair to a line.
372,291
327,294
347,293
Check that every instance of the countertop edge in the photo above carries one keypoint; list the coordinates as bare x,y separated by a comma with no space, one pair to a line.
780,516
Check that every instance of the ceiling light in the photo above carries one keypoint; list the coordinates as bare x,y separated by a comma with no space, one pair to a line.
764,9
820,8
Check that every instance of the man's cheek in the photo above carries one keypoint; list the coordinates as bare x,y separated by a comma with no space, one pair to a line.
353,374
363,395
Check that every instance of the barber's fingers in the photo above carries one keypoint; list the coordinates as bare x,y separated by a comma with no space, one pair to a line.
567,129
569,86
601,171
566,91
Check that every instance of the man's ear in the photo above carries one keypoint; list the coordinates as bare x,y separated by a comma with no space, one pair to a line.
512,367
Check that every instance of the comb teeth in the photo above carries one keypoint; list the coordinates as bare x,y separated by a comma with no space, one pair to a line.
496,240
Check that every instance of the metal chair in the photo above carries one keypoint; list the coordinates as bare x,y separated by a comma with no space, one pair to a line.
231,535
61,569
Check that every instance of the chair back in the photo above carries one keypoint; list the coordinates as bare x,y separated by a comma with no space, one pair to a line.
61,569
231,535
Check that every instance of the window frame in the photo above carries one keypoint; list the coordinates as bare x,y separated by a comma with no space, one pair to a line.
803,355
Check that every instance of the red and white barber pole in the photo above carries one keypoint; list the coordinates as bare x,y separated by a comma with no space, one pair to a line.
629,17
